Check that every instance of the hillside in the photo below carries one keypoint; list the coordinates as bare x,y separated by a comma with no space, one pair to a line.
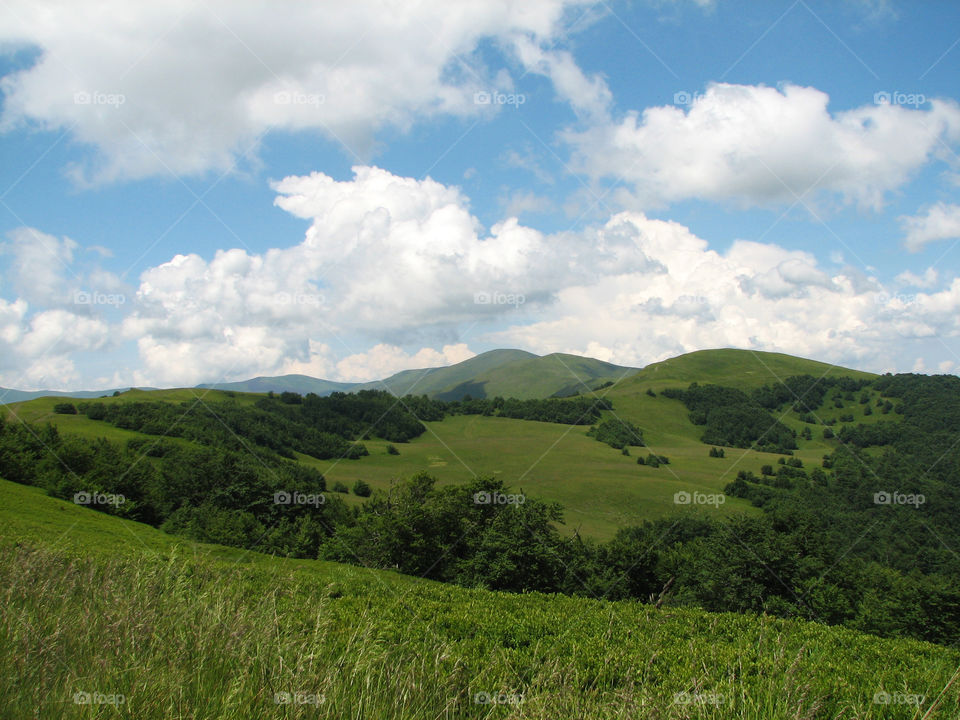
601,490
143,625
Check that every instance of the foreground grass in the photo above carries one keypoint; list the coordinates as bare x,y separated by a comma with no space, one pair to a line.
93,607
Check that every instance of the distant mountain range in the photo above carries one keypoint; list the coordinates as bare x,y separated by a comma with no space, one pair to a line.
509,373
520,374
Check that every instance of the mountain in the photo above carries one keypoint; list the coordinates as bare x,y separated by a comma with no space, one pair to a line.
11,396
300,384
508,373
521,374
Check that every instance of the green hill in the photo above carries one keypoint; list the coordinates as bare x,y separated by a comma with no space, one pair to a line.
507,373
143,625
601,490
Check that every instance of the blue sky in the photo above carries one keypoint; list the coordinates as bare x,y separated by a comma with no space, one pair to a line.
192,193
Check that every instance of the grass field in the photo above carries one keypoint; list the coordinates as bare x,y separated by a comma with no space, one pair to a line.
143,625
600,489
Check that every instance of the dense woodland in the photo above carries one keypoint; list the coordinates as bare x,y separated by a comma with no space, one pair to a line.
823,546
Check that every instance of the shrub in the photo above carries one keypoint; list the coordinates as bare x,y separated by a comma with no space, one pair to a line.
339,487
392,450
65,409
362,489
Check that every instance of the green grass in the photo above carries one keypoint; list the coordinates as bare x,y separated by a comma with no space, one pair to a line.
601,490
94,604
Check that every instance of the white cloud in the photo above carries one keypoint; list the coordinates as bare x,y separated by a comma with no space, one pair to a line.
383,360
40,268
757,145
938,222
187,88
927,280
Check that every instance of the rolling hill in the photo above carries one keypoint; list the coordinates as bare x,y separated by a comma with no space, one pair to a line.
508,373
109,617
600,489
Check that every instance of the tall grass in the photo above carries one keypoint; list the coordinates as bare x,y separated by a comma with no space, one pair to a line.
183,636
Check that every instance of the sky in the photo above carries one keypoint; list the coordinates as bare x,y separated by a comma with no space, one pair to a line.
196,192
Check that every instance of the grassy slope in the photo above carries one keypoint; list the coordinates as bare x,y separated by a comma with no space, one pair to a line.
91,603
601,490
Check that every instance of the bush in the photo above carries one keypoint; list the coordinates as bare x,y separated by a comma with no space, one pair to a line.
625,451
827,433
651,393
361,489
65,409
339,487
716,452
640,461
766,470
392,450
653,460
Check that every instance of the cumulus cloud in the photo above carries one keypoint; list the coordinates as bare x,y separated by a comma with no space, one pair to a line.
186,88
395,273
938,222
756,296
758,145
